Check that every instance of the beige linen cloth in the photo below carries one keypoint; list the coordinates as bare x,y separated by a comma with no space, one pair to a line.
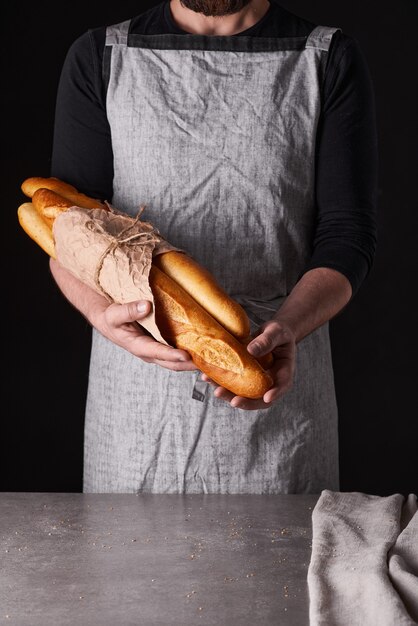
364,561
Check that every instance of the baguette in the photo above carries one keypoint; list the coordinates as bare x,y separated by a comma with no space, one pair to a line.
192,312
188,326
67,191
195,279
201,285
49,204
37,229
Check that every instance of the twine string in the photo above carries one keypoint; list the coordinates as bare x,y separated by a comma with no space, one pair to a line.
138,238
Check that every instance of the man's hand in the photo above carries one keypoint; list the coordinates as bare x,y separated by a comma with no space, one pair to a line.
317,297
118,323
277,338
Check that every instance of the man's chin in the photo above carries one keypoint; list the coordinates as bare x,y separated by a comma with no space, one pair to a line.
215,8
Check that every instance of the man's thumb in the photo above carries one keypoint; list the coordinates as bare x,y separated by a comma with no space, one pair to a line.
259,346
143,307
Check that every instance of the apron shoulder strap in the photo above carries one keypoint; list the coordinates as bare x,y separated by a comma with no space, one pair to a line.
118,33
321,37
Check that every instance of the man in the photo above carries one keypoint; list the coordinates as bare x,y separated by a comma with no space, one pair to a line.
249,133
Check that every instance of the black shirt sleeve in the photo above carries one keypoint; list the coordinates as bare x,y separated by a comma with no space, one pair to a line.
346,149
82,147
346,167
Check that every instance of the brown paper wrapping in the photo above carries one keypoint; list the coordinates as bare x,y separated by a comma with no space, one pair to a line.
112,253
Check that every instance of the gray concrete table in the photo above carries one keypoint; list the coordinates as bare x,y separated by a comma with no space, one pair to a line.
120,559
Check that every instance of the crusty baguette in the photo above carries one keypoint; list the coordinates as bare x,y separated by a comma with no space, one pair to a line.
188,326
37,229
49,204
30,185
182,320
202,286
51,196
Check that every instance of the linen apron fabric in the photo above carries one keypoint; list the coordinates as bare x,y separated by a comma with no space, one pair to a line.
216,135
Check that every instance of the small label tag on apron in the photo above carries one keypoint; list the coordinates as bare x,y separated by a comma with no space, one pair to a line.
199,389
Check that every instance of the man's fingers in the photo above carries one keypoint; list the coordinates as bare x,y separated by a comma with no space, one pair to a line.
271,336
206,379
148,348
176,366
122,325
283,380
119,314
223,394
284,369
238,402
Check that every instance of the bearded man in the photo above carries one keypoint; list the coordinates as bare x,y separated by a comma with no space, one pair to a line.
249,133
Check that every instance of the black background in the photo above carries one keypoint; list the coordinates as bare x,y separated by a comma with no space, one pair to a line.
46,342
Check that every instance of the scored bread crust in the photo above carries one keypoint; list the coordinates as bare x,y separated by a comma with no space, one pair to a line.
201,285
217,353
49,204
30,185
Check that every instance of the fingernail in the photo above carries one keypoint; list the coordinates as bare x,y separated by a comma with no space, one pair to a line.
255,349
141,307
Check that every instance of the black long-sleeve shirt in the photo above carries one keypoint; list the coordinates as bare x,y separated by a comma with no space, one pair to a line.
346,147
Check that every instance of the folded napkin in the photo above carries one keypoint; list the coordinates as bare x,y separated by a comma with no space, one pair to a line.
364,562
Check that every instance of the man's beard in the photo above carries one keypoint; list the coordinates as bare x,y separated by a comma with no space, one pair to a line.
215,7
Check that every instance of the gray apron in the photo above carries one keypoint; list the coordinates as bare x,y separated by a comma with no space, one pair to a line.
216,135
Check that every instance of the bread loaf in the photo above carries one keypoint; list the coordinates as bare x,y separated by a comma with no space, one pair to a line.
192,311
188,326
30,185
49,204
201,285
36,227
